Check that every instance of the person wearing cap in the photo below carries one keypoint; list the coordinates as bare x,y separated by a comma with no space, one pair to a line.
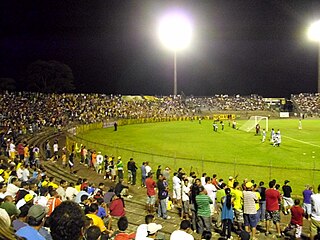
35,216
249,209
287,200
231,181
142,230
153,229
9,206
27,199
183,232
24,190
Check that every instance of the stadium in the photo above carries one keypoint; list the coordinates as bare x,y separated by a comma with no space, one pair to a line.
136,120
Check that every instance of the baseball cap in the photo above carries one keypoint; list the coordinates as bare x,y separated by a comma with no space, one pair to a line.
286,181
230,177
28,197
153,228
119,157
38,212
249,185
11,208
1,171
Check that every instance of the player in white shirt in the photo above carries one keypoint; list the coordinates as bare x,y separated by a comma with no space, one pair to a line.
264,134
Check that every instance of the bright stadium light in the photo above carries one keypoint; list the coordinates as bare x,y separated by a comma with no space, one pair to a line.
314,35
175,32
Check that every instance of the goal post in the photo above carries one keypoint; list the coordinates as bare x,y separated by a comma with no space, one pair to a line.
250,125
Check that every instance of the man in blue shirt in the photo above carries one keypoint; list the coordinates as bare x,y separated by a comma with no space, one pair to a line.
35,215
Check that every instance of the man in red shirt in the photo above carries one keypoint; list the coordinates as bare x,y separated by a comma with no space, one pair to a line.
151,193
273,199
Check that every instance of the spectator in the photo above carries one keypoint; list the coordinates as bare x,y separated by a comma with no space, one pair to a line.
315,214
287,200
53,202
151,193
117,207
204,214
66,222
296,221
92,233
21,221
183,232
36,214
272,207
142,230
122,226
162,197
143,174
6,232
307,201
71,192
10,207
227,213
61,190
153,229
249,209
97,221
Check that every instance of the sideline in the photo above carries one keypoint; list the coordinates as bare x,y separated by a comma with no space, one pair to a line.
311,144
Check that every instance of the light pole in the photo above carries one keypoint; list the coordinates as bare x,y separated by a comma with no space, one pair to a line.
175,31
314,35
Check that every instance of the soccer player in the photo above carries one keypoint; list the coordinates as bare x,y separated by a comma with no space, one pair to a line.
264,134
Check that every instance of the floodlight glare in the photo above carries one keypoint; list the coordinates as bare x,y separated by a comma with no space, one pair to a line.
314,31
175,31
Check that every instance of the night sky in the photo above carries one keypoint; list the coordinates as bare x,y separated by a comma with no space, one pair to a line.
238,46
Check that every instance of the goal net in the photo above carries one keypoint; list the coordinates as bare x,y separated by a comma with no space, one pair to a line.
250,125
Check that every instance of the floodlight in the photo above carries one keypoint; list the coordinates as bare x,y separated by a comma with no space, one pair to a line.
175,31
314,31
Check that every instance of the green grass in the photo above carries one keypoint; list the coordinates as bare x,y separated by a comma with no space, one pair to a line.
179,142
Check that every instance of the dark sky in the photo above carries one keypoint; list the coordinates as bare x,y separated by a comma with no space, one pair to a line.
238,46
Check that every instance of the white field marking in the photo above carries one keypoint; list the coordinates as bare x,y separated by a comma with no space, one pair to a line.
311,144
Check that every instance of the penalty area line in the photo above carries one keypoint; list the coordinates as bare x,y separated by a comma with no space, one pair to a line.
297,140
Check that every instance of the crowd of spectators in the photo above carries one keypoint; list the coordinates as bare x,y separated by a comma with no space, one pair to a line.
35,206
228,103
23,112
309,103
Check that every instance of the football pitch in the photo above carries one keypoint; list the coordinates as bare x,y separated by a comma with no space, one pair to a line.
197,147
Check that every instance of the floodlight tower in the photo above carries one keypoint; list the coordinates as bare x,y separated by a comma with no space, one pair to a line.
314,35
175,30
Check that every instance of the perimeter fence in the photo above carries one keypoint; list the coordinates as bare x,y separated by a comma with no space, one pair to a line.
299,177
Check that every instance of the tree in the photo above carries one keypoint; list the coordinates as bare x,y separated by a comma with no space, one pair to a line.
7,84
49,76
